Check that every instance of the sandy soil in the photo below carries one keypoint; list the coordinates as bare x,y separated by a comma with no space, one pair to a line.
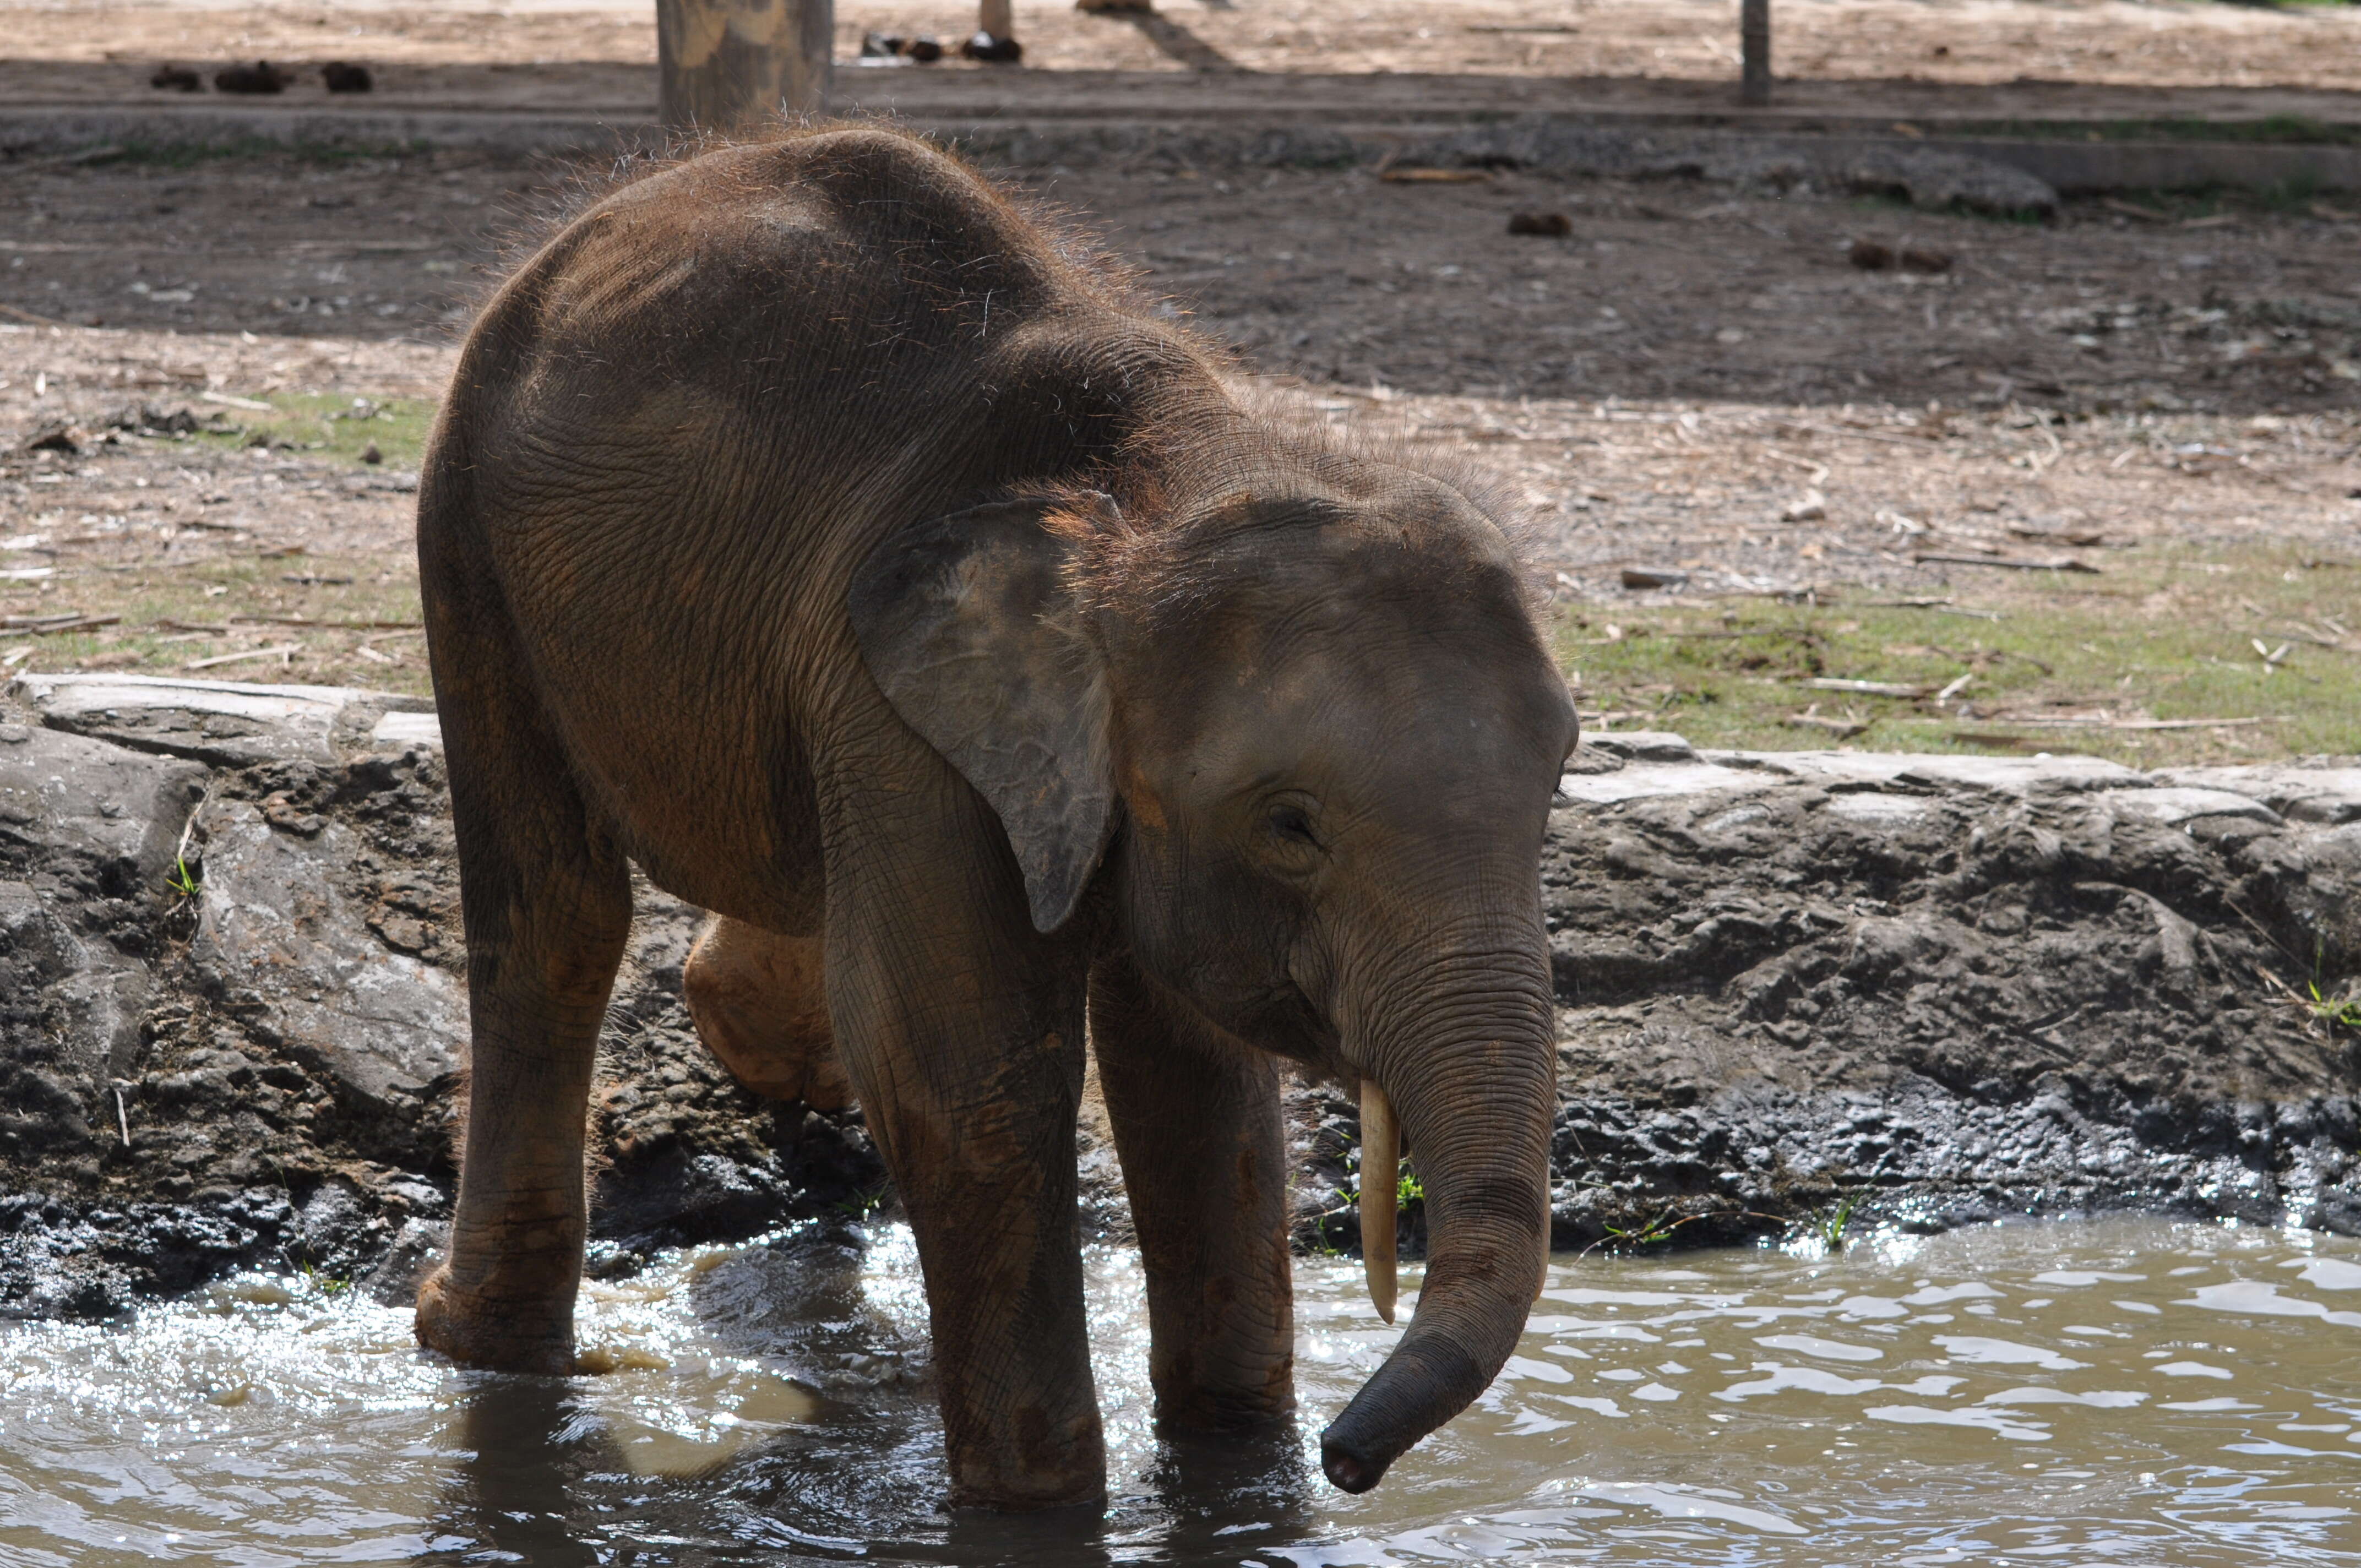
1951,41
1694,379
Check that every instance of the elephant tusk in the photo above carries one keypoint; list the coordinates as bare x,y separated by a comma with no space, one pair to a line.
1380,1159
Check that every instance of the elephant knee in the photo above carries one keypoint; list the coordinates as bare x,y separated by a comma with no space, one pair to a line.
758,1003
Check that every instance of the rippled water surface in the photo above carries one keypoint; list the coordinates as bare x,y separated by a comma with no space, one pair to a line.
2119,1392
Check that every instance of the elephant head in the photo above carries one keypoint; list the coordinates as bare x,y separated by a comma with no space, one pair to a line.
1305,737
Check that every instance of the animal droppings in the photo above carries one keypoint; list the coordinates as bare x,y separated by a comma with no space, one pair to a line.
260,77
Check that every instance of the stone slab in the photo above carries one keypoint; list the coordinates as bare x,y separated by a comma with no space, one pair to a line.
229,723
1641,782
2017,776
2325,794
397,730
2175,803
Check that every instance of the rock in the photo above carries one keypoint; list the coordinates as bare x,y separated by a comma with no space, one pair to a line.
1653,578
339,76
277,938
225,723
1967,986
2328,796
397,730
176,79
1545,225
153,419
1941,182
1970,985
87,834
393,1281
1869,256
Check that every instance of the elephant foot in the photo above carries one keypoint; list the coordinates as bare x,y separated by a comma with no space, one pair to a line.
1031,1494
493,1336
757,1000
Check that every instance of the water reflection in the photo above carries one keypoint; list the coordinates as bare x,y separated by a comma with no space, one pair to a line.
525,1441
2124,1391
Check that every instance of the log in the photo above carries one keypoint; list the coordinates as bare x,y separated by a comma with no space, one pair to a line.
726,66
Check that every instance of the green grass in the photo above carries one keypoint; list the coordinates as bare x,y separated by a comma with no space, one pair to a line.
333,427
1829,1225
2165,631
158,602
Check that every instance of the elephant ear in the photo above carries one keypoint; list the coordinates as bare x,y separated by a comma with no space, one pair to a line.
968,627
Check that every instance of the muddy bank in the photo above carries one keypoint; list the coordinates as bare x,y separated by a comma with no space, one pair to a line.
1948,989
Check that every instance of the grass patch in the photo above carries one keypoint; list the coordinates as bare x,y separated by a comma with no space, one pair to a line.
251,604
2167,631
334,427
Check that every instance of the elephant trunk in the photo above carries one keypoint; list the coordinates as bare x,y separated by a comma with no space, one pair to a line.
1466,1063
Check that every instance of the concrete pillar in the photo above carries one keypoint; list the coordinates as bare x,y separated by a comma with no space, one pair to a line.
733,65
1755,48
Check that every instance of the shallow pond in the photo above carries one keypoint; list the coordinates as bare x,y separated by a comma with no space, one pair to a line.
2122,1392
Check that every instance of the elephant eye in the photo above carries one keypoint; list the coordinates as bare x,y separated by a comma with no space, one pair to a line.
1289,822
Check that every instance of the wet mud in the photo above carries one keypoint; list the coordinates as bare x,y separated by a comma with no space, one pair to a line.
1796,990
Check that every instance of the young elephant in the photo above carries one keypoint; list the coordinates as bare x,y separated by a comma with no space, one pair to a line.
808,527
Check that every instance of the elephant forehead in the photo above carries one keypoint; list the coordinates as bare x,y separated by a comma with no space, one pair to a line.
1324,715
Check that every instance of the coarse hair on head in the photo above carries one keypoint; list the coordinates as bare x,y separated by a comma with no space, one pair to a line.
1201,475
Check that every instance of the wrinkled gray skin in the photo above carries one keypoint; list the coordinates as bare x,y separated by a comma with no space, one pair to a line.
804,526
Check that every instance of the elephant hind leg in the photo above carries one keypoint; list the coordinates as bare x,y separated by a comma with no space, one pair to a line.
760,1003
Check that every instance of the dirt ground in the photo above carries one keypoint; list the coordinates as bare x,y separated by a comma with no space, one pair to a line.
551,53
2108,454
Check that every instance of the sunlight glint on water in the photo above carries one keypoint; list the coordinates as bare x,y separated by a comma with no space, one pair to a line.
2119,1391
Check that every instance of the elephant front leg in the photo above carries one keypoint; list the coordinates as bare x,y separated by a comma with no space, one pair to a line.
965,1046
547,905
1197,1128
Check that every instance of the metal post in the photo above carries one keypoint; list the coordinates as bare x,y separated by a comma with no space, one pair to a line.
737,65
1754,41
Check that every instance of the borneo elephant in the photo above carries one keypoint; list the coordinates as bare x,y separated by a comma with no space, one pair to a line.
871,566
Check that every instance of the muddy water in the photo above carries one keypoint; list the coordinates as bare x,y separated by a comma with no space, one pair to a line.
2120,1392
